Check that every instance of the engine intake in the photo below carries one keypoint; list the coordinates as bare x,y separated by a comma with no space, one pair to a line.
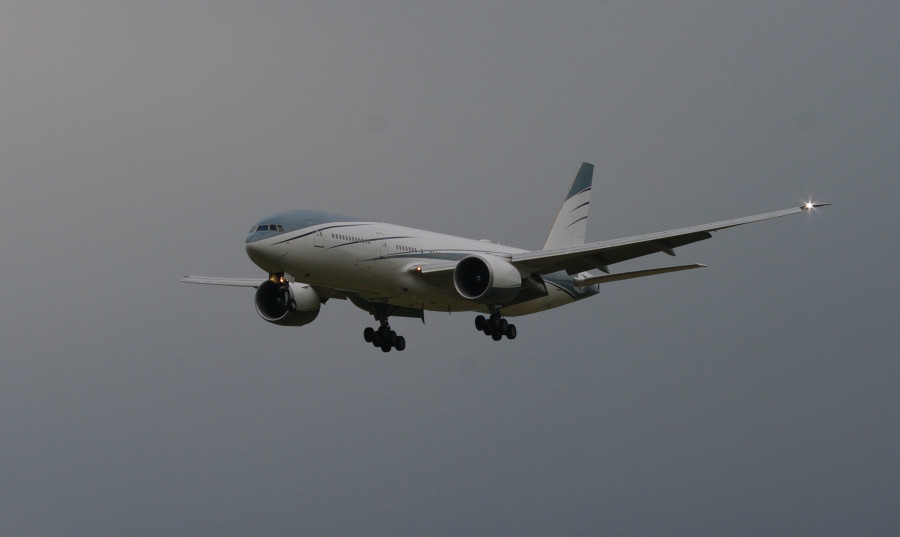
486,279
287,304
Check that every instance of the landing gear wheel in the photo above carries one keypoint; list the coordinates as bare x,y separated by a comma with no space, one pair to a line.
384,338
511,331
496,326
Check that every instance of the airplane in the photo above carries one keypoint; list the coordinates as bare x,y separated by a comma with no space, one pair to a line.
388,270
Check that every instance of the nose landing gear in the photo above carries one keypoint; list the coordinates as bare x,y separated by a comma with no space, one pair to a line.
496,327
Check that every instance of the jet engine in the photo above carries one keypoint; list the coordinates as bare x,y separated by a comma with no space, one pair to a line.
287,304
486,279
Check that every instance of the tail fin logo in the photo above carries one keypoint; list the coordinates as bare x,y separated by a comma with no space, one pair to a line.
571,220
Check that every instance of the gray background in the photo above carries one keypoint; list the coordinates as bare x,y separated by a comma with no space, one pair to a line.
139,142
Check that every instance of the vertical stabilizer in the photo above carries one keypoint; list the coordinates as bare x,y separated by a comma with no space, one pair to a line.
571,221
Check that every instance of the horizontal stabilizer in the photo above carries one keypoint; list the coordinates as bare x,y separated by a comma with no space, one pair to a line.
584,282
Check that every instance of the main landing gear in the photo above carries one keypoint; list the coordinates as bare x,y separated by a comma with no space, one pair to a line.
495,326
384,337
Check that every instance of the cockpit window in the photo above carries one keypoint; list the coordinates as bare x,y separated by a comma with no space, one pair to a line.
267,227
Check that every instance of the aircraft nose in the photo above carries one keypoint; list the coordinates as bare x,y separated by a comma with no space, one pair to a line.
262,255
253,249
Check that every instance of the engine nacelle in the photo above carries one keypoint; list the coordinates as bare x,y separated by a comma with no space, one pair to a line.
287,304
486,279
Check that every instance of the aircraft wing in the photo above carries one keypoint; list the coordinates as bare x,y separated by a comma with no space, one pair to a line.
323,292
598,255
232,282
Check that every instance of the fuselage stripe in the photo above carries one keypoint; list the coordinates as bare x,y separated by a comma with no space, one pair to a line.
562,288
313,232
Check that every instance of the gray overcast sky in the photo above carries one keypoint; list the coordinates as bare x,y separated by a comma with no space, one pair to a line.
756,397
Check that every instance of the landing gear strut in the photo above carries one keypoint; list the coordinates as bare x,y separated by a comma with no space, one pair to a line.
384,337
495,326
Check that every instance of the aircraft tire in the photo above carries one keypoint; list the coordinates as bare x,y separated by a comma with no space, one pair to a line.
511,331
386,346
400,344
497,336
480,323
369,334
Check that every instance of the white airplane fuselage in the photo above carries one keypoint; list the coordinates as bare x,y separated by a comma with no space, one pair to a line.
377,261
